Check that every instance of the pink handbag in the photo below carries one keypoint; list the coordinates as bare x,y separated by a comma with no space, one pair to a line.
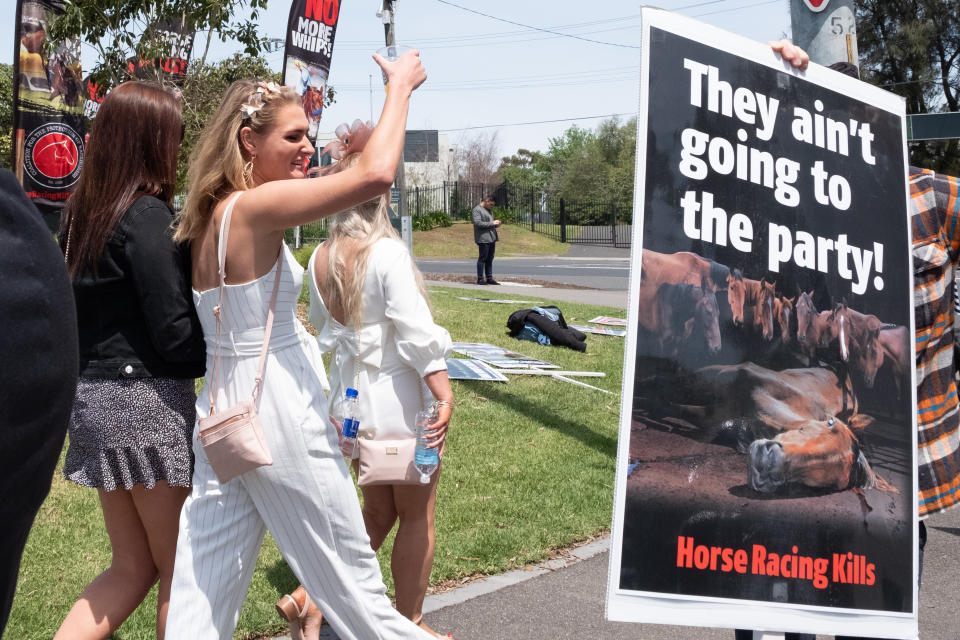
233,439
387,462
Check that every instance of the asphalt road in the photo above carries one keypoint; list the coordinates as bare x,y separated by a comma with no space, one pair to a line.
608,273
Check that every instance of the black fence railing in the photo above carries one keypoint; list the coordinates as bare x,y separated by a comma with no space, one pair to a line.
574,221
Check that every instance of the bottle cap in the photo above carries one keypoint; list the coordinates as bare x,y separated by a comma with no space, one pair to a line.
424,478
352,393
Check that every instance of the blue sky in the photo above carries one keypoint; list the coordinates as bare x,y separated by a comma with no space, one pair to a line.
483,71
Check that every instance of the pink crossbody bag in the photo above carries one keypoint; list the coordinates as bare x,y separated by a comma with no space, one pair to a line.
233,439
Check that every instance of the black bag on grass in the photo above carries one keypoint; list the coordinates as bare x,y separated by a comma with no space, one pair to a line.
546,326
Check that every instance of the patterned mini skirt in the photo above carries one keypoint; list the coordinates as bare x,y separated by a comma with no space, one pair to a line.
131,431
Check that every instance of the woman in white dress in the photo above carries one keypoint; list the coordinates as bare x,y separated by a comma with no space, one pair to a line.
242,168
369,304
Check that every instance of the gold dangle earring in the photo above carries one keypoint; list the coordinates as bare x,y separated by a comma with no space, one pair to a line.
248,173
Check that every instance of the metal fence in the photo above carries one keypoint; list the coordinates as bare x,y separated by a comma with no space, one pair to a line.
597,223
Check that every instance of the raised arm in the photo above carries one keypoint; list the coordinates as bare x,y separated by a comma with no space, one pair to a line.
281,204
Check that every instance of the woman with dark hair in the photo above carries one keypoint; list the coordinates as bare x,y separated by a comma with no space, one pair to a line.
141,346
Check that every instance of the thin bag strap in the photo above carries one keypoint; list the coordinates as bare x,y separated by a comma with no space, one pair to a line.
258,381
218,310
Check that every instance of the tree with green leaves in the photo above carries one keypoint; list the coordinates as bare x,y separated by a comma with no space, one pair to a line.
912,48
522,169
119,29
580,164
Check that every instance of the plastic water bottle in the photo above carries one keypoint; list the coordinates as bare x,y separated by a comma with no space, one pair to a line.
426,459
351,423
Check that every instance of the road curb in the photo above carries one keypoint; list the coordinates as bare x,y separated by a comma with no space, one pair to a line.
483,586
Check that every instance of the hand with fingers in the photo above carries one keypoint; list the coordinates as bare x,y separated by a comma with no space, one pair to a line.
437,431
406,71
791,53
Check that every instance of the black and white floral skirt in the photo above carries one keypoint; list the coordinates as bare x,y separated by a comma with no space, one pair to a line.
131,431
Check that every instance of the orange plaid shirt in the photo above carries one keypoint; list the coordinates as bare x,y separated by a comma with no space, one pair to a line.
935,225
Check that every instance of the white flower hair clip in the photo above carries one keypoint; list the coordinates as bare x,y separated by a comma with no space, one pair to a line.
351,139
255,101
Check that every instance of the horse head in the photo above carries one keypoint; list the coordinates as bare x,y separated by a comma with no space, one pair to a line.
866,352
782,309
806,327
763,308
821,454
707,315
736,295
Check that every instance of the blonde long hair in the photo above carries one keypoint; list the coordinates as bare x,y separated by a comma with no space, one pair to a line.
362,226
217,162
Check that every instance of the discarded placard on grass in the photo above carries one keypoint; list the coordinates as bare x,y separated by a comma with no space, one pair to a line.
470,369
499,357
601,330
495,301
616,322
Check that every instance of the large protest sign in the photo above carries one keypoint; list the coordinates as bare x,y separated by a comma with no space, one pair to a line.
311,29
768,386
49,126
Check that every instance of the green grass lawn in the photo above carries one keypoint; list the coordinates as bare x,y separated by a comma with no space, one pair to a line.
528,468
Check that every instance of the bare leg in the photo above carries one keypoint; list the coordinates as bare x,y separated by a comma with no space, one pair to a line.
379,513
115,593
412,556
159,511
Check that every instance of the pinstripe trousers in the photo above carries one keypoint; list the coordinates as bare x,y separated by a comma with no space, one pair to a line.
307,501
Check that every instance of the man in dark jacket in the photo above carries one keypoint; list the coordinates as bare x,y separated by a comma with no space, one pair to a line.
485,235
38,378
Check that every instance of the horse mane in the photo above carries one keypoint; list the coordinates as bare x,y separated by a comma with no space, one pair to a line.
719,274
737,274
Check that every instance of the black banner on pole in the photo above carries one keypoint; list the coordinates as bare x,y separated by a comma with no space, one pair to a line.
175,39
48,120
311,29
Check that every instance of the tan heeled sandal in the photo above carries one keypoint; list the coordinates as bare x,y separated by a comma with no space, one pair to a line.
297,608
419,619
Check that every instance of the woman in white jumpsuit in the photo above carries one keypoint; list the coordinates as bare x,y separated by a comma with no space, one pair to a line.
255,143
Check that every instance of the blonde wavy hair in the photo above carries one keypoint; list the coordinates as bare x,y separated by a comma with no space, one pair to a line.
360,227
217,162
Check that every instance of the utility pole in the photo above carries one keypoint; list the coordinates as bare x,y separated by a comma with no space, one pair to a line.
826,29
387,14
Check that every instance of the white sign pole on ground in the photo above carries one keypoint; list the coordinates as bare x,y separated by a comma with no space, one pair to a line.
768,491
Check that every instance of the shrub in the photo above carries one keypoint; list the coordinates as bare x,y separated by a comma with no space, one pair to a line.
303,254
431,220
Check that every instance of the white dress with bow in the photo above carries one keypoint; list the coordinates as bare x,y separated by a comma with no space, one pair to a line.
387,357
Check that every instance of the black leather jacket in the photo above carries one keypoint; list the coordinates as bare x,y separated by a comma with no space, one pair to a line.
136,317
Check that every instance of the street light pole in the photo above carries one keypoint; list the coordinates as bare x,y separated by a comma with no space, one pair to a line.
826,29
387,14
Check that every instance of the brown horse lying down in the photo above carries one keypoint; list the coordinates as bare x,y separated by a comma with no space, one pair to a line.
789,424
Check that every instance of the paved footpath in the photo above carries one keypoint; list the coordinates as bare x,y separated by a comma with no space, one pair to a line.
564,599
